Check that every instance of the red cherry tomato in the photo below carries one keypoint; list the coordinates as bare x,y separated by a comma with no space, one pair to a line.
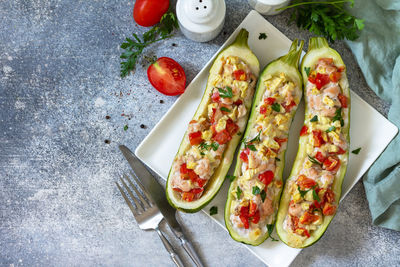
149,12
167,76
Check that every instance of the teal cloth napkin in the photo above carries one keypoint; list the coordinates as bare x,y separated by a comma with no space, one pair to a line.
378,54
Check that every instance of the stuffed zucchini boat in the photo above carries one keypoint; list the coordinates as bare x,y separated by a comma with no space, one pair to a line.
254,194
312,192
208,146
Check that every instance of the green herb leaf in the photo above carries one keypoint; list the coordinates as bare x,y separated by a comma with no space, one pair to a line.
276,107
225,109
330,129
126,127
225,93
251,147
256,190
314,160
231,177
204,146
134,47
302,192
338,115
214,146
238,192
356,151
262,35
263,195
328,18
314,119
249,144
277,159
270,228
213,210
307,70
257,138
315,196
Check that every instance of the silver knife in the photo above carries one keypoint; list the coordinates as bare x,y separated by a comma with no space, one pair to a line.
157,193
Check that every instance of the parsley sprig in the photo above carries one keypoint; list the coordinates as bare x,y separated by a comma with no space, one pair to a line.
225,93
326,18
134,47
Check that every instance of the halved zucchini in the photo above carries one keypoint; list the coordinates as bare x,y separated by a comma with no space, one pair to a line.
307,207
240,52
254,194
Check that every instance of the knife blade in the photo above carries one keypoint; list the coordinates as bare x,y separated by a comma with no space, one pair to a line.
157,194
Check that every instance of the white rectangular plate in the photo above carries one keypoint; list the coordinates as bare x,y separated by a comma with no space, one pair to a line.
369,130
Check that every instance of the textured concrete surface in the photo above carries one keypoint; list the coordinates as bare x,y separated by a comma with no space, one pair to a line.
59,79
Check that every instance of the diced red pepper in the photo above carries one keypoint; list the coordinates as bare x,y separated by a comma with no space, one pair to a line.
177,189
331,163
245,221
263,109
316,205
319,80
244,155
269,100
238,102
256,217
280,141
343,100
244,211
303,232
341,151
222,137
192,121
193,176
304,131
231,127
212,119
295,221
328,209
266,177
335,76
196,190
201,182
289,106
305,182
195,138
188,196
320,157
184,169
252,209
329,196
308,218
215,96
341,69
240,75
318,140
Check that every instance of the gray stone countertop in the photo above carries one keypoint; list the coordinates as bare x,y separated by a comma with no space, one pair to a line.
59,79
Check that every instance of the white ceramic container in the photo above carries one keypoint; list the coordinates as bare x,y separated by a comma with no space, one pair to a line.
268,7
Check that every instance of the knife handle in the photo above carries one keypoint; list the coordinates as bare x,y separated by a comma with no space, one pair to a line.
175,257
190,250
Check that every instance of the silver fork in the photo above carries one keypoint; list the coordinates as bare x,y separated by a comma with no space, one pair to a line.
146,214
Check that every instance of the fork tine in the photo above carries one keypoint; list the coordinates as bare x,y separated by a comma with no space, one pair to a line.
145,203
127,201
138,206
141,187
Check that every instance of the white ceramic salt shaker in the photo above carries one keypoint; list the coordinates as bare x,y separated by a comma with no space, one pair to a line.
201,20
268,7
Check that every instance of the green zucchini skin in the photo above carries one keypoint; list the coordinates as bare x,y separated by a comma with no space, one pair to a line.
240,49
318,48
287,64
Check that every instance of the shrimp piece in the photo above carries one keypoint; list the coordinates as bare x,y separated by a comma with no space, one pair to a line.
184,185
227,101
328,111
266,208
326,178
295,209
332,91
312,173
202,168
195,127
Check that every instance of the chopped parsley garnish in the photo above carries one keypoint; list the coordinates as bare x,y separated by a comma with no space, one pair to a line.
213,210
304,192
214,146
356,151
256,190
262,35
231,177
270,228
314,160
126,127
277,159
315,196
225,93
238,192
251,147
314,119
225,109
249,144
205,146
307,70
330,129
338,116
263,195
276,107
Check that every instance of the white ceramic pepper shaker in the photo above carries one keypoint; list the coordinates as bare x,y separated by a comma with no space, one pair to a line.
201,20
268,7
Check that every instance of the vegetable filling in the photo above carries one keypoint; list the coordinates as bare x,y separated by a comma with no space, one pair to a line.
209,135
